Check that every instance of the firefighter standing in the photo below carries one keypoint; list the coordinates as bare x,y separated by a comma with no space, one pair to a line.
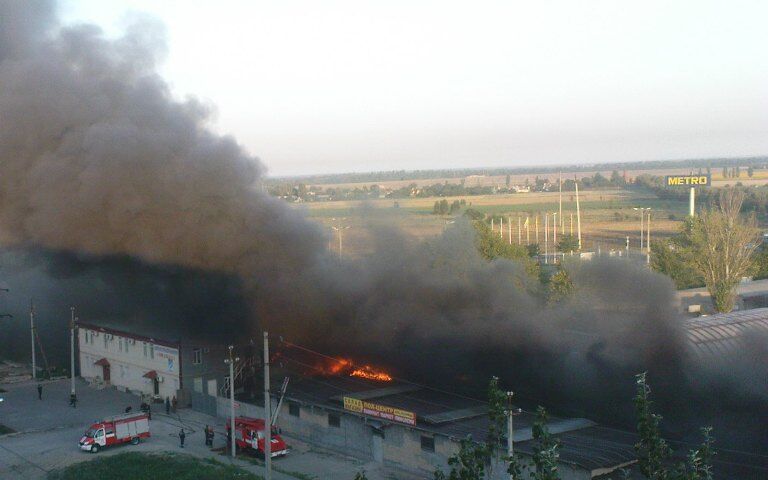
39,391
167,406
182,436
174,403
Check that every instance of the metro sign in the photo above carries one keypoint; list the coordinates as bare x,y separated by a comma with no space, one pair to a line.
688,180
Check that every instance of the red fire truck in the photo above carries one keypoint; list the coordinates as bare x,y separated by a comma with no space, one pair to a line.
131,427
249,435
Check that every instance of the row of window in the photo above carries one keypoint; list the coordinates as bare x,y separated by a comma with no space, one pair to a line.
334,420
123,344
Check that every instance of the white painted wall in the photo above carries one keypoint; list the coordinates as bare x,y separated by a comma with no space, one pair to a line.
129,360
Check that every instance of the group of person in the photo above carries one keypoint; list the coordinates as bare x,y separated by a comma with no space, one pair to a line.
208,436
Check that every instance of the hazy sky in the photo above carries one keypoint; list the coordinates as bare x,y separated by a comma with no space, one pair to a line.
332,86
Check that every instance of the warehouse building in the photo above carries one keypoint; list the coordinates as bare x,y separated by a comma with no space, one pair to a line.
413,430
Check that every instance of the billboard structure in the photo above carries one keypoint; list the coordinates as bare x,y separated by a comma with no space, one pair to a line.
691,181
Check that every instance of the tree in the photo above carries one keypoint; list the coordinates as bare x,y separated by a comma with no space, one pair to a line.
671,257
468,464
616,179
509,180
725,172
496,414
533,250
750,171
737,171
545,453
361,475
723,245
491,246
653,452
560,286
568,244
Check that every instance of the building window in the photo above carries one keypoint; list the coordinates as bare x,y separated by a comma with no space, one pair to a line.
151,351
427,443
120,346
334,420
105,345
294,409
198,384
197,356
145,349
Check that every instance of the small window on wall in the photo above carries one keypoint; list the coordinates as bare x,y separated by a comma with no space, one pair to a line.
293,409
105,340
334,420
427,443
151,351
197,356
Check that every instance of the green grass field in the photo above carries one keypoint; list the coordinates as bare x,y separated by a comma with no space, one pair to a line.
143,466
607,216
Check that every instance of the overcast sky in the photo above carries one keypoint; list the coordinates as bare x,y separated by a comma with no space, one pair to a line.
333,86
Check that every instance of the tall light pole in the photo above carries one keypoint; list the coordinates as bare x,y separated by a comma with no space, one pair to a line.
231,362
72,348
267,413
32,335
642,228
339,229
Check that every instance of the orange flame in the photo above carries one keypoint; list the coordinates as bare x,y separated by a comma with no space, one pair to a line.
371,374
343,366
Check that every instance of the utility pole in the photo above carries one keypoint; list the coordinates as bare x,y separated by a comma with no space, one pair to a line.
32,334
627,246
519,232
648,238
510,427
509,222
578,212
72,348
546,238
231,362
501,228
267,413
527,231
560,189
339,229
554,235
536,221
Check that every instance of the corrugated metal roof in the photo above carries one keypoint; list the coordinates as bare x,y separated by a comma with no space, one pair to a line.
723,335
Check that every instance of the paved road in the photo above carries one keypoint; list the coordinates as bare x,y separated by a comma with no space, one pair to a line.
48,431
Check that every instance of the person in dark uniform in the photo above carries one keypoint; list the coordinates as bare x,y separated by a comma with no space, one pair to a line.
146,408
167,406
182,436
39,391
73,400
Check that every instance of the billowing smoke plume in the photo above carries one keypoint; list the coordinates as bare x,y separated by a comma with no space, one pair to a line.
98,159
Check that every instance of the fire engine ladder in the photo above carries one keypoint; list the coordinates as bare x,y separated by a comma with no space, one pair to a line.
239,369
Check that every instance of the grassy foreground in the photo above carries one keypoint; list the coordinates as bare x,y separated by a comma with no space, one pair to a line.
154,466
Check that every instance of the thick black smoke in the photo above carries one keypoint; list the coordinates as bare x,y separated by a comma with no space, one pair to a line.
97,159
